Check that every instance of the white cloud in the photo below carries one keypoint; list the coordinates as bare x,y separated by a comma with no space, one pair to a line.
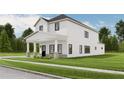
19,22
102,24
89,24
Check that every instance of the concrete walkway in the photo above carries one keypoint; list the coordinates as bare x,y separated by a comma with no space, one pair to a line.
69,67
8,73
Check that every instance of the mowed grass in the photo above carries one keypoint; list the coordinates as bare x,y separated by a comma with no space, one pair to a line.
12,54
110,61
70,73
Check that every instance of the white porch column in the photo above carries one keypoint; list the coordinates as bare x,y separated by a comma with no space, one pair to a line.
40,49
34,47
34,54
28,50
56,49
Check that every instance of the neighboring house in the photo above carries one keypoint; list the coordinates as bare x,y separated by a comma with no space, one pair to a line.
63,36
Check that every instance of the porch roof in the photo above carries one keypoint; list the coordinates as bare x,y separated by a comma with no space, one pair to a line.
44,36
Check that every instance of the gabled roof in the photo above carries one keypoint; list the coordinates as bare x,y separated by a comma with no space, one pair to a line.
59,17
62,16
39,20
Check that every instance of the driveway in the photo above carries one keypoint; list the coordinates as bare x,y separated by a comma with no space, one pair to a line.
8,73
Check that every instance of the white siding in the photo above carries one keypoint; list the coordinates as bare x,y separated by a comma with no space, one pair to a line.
76,37
62,28
44,23
75,34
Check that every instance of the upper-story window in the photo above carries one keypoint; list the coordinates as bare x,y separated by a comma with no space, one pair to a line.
86,34
57,26
41,28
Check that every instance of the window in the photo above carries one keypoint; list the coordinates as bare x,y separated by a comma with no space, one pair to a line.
80,49
86,34
56,26
87,49
43,47
102,48
70,48
41,28
60,48
95,48
51,49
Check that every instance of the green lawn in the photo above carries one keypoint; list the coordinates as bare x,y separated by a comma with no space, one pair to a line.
70,73
112,61
12,54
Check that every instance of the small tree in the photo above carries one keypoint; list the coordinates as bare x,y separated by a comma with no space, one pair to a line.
27,32
114,43
104,32
20,45
5,45
121,46
106,41
10,30
120,30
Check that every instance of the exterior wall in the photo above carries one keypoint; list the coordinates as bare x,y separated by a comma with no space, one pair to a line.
62,29
44,23
75,34
76,37
64,46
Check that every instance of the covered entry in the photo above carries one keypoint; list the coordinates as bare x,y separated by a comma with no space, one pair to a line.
44,37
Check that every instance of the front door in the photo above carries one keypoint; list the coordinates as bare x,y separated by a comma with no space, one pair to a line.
43,50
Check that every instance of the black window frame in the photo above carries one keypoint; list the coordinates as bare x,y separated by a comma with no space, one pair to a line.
59,47
80,49
70,48
57,26
41,28
43,47
87,49
50,51
86,34
101,48
95,48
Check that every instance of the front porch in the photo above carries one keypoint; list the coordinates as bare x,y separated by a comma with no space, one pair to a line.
49,44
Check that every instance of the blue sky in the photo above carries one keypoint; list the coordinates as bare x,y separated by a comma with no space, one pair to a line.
97,20
23,21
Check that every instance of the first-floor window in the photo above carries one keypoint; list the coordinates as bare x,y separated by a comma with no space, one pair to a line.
80,49
60,48
95,48
87,49
51,49
70,48
102,48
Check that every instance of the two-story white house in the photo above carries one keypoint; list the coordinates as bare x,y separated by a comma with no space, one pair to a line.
63,36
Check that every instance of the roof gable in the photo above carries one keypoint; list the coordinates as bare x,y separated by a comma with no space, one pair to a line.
39,20
62,16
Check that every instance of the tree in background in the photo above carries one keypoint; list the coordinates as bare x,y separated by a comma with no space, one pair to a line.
114,43
20,45
120,30
121,46
106,40
5,45
27,32
1,28
104,32
10,30
104,37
